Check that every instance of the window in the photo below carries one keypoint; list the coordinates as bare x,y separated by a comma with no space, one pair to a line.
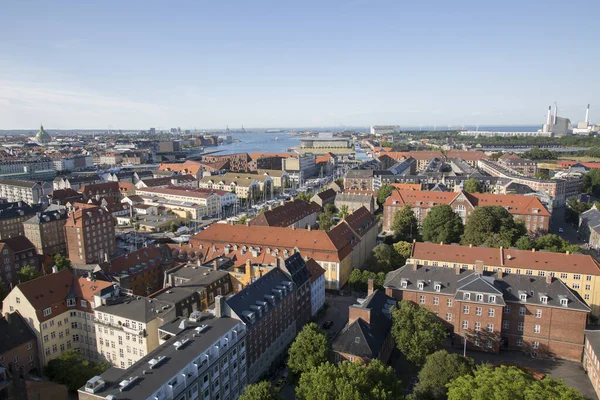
523,297
479,297
586,296
420,285
465,309
448,317
538,313
449,302
507,309
536,329
465,325
588,278
564,302
544,299
436,301
438,287
522,311
489,344
505,324
45,338
528,272
467,296
52,335
83,303
477,326
564,276
535,345
47,311
492,299
478,310
576,286
521,326
577,277
18,300
588,287
422,299
476,341
71,303
491,312
28,346
490,327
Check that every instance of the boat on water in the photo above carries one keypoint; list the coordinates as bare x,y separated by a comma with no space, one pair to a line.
276,138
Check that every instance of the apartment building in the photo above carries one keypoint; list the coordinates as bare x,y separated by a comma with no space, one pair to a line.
317,286
141,271
207,202
333,250
46,230
58,308
267,309
294,214
25,191
204,360
245,186
591,362
134,157
528,209
558,189
16,252
97,191
354,201
36,167
579,272
194,288
589,227
188,167
13,215
76,182
495,311
127,326
300,167
90,234
519,165
72,163
18,347
168,181
367,335
238,162
112,159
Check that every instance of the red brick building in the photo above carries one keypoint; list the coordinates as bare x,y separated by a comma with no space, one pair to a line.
15,253
90,234
18,346
494,311
97,191
528,209
238,162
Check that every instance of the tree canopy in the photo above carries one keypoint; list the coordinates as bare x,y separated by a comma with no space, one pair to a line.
61,262
591,182
442,225
303,196
343,212
403,249
73,370
540,154
555,243
525,243
359,280
504,382
27,273
417,331
310,349
352,381
472,186
405,224
439,369
492,226
259,391
384,192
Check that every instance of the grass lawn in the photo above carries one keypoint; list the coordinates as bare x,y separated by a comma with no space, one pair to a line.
582,158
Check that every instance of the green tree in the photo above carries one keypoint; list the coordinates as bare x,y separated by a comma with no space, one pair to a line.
383,256
503,382
525,243
472,186
540,154
492,226
173,227
343,213
439,369
555,243
325,222
405,224
355,280
403,249
61,262
417,331
329,209
27,273
384,192
305,196
73,370
259,391
591,182
309,350
542,174
243,219
352,381
442,225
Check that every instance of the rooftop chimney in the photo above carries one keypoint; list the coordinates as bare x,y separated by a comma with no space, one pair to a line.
499,275
548,279
458,270
219,306
370,283
249,270
587,115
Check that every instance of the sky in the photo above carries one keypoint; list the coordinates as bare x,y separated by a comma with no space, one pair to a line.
208,64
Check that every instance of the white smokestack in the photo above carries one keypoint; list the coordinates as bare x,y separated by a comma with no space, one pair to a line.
548,118
587,115
555,113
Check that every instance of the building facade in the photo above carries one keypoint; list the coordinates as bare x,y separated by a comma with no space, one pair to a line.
15,191
46,230
90,234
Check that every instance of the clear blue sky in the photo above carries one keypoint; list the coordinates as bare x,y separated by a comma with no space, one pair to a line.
137,64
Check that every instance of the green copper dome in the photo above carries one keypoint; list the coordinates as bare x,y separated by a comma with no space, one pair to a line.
42,136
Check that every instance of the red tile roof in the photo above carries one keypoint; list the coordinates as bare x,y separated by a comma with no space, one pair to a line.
510,258
286,214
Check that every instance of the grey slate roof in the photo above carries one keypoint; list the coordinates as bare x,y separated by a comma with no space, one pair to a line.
14,331
136,308
297,269
364,339
593,338
591,218
17,209
506,287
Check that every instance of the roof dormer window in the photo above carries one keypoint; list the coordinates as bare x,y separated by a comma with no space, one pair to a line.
479,297
420,285
544,299
564,302
438,287
467,296
523,297
491,299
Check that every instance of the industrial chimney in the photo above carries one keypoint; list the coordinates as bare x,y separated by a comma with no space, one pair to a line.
587,116
548,118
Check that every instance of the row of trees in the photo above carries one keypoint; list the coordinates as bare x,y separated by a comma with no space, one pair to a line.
73,370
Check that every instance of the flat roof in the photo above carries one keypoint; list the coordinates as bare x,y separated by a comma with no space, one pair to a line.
175,360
